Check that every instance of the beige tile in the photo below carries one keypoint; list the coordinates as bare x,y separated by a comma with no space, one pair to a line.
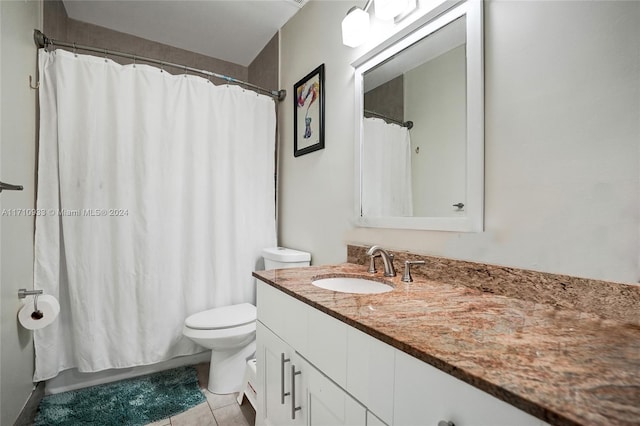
218,401
163,422
199,415
232,415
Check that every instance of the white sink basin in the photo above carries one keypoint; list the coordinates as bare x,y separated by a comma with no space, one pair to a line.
352,285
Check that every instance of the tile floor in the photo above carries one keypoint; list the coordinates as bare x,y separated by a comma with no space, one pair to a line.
218,410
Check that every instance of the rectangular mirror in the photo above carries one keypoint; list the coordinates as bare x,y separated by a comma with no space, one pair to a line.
420,126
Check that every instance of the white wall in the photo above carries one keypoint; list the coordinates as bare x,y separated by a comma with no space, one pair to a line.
315,190
562,83
17,164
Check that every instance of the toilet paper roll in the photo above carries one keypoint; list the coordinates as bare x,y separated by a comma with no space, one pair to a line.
48,307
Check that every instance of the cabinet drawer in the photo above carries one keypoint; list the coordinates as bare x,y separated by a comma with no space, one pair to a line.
370,375
318,337
425,395
327,348
284,315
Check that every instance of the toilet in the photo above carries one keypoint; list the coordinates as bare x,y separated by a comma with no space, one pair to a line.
230,331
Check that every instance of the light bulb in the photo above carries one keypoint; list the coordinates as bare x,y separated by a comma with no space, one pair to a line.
355,27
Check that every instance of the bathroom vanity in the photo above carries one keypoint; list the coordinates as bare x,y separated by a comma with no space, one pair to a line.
430,353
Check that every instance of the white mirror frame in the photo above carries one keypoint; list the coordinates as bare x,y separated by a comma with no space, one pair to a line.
474,203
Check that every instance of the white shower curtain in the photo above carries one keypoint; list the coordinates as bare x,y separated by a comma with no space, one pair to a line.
386,169
155,197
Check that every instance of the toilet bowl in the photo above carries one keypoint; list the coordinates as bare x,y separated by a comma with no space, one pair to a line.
230,333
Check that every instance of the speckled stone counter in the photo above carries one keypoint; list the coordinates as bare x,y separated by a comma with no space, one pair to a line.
563,366
604,298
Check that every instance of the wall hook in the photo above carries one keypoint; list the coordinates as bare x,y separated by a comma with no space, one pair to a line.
36,87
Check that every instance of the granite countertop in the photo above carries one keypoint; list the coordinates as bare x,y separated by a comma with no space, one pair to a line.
562,366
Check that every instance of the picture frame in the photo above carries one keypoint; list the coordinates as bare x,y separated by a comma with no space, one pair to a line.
308,113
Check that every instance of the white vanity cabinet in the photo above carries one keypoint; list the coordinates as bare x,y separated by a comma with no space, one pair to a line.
347,377
425,395
331,405
291,391
275,360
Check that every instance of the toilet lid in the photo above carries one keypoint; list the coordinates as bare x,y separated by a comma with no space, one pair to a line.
224,317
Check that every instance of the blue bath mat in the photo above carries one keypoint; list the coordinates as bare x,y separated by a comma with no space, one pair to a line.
136,401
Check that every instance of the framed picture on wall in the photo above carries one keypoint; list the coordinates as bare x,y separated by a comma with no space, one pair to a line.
308,113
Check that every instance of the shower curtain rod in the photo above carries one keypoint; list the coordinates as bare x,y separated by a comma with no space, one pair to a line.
407,124
42,40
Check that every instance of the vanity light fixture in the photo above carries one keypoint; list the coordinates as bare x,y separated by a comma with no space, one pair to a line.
356,25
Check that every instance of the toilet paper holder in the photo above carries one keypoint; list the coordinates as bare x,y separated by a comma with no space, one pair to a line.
23,292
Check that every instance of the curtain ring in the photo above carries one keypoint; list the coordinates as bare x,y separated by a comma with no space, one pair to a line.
185,72
134,61
75,50
105,55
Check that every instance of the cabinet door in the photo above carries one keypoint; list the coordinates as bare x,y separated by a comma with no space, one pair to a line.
330,405
274,362
425,395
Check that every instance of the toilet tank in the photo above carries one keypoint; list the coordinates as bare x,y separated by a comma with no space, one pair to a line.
282,257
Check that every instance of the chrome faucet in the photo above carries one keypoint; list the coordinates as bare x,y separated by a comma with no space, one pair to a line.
387,260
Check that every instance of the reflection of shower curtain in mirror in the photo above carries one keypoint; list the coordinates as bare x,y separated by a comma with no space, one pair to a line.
386,169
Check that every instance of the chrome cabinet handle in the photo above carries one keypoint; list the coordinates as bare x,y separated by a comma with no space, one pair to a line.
282,362
294,373
459,205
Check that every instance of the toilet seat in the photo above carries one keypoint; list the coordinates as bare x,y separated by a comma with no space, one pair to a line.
234,333
228,326
223,318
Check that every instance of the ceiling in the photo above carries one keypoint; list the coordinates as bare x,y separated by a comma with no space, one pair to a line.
231,30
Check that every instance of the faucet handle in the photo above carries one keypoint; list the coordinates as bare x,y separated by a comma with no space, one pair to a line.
406,277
